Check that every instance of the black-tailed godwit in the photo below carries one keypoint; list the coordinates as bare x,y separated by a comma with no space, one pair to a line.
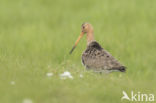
95,57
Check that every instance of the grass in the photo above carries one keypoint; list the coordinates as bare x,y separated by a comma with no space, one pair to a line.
37,35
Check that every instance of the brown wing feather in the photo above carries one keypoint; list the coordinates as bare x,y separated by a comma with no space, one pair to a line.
95,57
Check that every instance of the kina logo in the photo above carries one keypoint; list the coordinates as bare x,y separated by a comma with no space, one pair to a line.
137,96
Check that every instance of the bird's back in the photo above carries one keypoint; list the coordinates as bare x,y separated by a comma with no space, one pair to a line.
98,59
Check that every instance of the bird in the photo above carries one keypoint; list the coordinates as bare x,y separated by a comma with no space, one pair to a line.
95,57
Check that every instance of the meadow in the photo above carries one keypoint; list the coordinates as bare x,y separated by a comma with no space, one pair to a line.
37,35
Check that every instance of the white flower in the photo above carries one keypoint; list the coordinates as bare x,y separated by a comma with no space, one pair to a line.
49,74
12,82
65,75
81,76
27,101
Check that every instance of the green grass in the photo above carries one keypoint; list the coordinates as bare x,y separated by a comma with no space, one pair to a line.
37,35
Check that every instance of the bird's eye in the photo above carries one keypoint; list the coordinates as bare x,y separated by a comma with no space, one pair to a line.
83,27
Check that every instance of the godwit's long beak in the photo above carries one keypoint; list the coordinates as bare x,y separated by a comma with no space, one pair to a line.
81,35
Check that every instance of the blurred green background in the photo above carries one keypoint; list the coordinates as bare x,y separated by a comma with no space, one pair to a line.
37,35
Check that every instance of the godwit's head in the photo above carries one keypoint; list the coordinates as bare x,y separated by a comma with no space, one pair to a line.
86,28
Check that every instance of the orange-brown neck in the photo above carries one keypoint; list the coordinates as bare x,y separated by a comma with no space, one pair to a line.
90,37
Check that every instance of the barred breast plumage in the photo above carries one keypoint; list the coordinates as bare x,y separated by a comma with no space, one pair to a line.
99,60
